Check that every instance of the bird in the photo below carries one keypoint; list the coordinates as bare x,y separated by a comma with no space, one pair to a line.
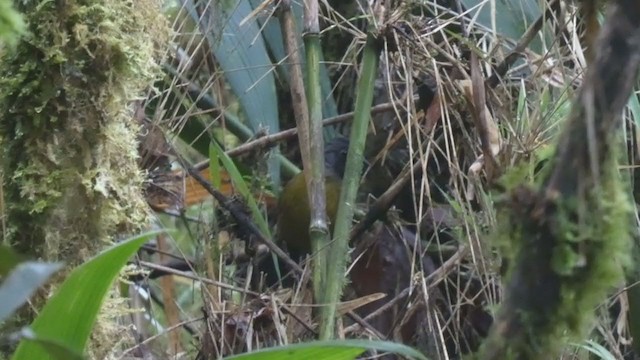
294,213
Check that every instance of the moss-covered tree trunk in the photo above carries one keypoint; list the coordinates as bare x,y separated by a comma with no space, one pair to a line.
68,137
571,237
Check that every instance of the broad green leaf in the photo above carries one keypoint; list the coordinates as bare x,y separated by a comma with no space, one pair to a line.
512,17
330,350
52,347
246,64
21,283
318,352
242,55
69,316
272,32
192,132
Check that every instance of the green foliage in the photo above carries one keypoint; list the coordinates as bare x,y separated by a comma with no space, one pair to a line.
11,23
515,16
330,350
529,170
247,49
68,317
8,260
600,351
533,166
241,186
54,349
242,55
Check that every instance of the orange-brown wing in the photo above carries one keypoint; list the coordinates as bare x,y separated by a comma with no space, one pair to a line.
194,193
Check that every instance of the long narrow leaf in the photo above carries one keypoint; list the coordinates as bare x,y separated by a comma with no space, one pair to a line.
330,350
242,55
69,316
515,16
273,38
21,283
55,350
241,186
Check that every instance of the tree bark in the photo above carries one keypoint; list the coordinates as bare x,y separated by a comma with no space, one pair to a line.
68,137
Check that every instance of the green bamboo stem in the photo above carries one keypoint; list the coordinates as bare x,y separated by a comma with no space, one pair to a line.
353,171
311,146
319,228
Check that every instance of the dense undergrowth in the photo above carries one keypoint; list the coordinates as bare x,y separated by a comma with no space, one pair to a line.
476,231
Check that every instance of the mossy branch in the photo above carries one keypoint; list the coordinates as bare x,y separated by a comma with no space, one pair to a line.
570,238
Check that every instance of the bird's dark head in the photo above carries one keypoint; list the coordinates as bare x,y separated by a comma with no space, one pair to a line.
335,156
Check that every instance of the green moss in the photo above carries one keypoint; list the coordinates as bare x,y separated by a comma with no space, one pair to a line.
519,184
69,149
566,254
530,170
594,252
70,140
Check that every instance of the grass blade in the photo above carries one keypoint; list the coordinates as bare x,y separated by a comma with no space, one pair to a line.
241,186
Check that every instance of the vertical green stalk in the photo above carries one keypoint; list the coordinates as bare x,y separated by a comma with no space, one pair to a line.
355,159
319,229
308,114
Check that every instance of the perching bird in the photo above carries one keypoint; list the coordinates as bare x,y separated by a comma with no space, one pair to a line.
293,206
